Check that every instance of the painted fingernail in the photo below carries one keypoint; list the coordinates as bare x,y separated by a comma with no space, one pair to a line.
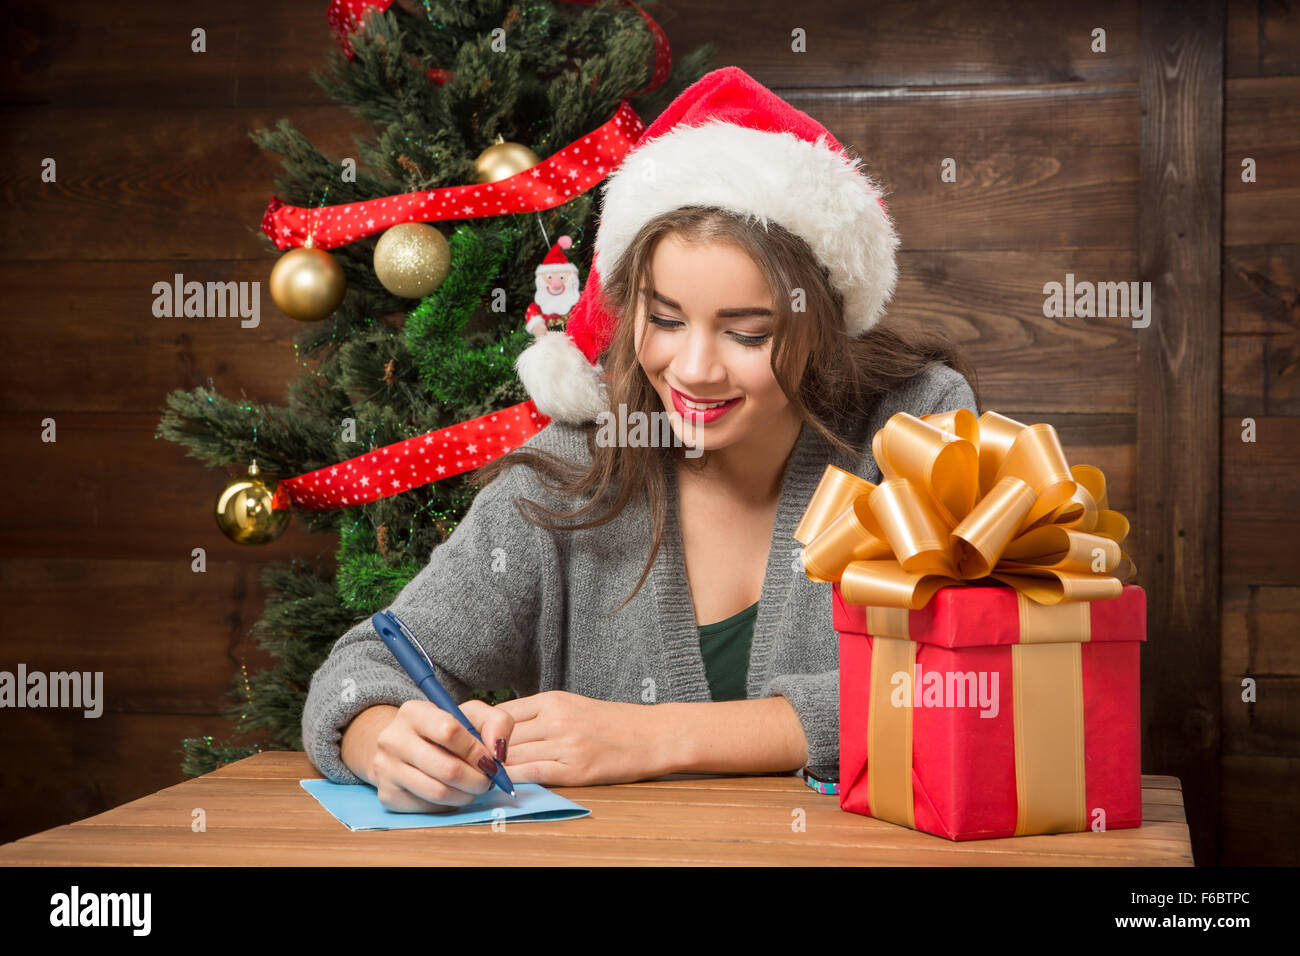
486,765
501,749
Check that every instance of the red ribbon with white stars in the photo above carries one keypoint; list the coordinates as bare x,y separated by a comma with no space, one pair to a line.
416,461
554,181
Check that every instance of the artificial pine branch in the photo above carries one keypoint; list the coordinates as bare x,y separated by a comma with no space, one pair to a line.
454,368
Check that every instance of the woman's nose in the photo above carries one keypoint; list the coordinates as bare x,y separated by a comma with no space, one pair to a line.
697,358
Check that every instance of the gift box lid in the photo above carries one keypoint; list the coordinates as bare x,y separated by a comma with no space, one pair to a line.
986,614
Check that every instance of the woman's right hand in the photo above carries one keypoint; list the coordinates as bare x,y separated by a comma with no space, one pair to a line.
426,762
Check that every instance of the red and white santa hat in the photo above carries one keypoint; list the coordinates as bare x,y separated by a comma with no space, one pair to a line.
556,260
729,142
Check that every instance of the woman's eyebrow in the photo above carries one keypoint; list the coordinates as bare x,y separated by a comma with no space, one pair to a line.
737,313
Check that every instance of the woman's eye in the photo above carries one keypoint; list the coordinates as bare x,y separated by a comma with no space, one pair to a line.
751,340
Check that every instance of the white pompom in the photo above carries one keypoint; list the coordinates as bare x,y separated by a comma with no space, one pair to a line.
561,382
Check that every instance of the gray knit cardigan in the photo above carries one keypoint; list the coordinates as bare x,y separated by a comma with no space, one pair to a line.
503,603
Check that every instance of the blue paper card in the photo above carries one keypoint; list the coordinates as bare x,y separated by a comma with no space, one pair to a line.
357,807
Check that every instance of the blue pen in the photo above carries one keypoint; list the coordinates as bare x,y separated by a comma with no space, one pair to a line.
416,663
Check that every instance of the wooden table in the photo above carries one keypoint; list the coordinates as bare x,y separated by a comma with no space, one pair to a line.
256,813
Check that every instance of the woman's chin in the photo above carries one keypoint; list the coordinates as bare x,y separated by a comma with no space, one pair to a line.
692,438
698,439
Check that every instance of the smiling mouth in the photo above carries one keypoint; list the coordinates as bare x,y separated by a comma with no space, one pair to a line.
702,405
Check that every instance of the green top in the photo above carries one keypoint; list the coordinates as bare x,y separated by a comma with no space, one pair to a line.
725,647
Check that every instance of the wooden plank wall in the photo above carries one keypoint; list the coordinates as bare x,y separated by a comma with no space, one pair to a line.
1260,585
1056,174
1180,97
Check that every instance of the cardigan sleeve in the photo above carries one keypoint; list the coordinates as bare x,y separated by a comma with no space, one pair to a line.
474,608
815,697
956,395
816,701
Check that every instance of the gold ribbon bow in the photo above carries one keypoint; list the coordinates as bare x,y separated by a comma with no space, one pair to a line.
963,499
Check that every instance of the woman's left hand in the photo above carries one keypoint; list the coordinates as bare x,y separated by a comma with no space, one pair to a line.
567,740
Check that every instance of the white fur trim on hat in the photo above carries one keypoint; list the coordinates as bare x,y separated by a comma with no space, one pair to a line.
560,381
812,189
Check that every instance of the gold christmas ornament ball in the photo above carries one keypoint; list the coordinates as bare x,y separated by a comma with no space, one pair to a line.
412,259
307,284
244,510
502,160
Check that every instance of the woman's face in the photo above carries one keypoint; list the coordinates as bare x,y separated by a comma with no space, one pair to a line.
707,336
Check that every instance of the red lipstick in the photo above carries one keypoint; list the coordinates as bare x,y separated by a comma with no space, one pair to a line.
700,416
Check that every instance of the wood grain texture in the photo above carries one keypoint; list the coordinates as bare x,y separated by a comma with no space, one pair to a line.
257,814
1177,549
1259,801
168,186
1261,341
60,766
192,628
98,321
1262,122
1261,333
1060,173
108,489
1259,624
909,44
1261,522
1263,39
261,54
99,55
991,303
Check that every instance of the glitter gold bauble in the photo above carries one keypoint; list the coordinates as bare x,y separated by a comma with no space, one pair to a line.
307,284
244,510
502,160
412,259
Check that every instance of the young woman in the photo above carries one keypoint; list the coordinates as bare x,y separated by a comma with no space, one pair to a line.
646,599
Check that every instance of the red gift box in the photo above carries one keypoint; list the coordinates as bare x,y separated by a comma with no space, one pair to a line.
988,642
989,715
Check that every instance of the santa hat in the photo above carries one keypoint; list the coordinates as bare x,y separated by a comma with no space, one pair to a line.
728,142
556,260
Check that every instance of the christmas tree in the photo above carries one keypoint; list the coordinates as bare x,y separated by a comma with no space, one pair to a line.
441,83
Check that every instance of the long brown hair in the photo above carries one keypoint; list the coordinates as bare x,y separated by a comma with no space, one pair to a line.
831,380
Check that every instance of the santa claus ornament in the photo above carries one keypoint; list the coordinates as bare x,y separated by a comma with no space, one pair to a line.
557,292
727,142
551,366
